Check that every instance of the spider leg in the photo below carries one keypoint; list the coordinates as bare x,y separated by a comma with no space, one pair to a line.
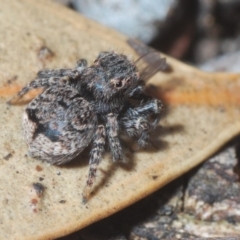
140,121
41,83
138,92
112,133
65,72
46,78
47,73
95,158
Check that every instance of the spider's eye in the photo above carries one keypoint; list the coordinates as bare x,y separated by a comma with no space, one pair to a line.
119,84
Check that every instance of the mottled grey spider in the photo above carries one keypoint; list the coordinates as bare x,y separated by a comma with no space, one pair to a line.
86,105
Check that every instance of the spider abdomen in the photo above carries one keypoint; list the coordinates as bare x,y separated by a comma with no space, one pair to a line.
55,130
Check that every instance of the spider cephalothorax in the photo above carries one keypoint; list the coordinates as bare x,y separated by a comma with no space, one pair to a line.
88,105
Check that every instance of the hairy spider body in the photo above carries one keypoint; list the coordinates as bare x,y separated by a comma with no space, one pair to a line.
87,105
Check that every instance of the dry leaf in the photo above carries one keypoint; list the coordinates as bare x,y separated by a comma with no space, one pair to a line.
202,113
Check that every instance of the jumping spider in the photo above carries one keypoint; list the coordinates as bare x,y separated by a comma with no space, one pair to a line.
87,105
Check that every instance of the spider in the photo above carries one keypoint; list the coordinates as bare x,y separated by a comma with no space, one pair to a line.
89,105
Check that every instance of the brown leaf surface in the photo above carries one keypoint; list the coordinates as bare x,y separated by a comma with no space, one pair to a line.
202,113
